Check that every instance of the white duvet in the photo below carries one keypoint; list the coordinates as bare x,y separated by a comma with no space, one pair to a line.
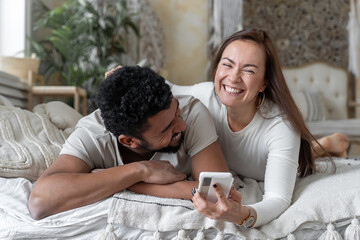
87,222
16,222
318,200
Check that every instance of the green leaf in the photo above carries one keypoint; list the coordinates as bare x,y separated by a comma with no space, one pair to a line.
85,38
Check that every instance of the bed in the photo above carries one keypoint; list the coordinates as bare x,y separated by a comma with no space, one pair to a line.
324,204
325,95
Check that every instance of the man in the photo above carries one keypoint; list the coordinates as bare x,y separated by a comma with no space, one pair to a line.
138,120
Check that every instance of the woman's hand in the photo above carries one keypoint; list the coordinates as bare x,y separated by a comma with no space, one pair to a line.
227,209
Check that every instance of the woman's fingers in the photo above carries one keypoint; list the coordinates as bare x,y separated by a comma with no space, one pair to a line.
219,192
202,206
235,195
224,209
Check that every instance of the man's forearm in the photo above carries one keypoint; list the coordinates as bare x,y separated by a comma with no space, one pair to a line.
180,190
63,191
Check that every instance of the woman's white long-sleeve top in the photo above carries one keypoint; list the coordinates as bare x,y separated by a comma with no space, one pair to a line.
267,149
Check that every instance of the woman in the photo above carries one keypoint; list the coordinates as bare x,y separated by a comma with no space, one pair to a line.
261,131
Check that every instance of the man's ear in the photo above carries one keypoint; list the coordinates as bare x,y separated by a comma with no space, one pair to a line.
127,141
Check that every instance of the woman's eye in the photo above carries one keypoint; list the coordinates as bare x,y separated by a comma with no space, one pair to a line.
249,71
226,65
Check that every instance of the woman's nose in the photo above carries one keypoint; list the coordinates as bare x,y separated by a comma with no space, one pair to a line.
235,76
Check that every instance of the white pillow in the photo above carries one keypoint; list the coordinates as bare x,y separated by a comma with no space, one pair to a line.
320,199
6,102
61,114
29,143
311,105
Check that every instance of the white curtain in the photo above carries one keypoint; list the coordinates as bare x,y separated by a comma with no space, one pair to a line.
149,47
225,18
353,30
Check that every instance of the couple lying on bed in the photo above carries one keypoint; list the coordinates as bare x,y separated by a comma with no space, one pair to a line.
252,119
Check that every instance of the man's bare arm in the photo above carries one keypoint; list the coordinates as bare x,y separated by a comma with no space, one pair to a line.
179,190
210,159
67,183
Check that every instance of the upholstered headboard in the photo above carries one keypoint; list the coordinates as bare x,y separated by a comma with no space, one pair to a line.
330,83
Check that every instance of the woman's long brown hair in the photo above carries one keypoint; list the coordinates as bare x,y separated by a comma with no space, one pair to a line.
278,92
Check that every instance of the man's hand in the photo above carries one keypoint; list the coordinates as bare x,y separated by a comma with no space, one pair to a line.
161,172
158,172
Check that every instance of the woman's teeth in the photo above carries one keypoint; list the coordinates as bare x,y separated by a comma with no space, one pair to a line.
231,90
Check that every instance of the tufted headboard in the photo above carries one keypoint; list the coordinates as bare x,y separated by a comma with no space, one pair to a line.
330,83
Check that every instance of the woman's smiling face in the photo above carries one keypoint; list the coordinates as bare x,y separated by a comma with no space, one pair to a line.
240,74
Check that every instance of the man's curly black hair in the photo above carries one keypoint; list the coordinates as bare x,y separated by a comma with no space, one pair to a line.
129,96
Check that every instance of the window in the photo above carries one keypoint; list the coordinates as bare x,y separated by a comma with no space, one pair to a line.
15,24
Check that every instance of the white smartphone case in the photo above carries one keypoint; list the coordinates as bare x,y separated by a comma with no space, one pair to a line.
206,181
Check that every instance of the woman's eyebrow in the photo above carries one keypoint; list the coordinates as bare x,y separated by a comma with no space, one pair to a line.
230,60
250,65
245,65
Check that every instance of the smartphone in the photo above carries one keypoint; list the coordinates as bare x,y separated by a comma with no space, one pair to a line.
206,181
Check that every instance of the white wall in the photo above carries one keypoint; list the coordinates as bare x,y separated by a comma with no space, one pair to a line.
12,27
184,23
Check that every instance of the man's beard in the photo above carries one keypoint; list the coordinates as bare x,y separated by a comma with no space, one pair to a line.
169,149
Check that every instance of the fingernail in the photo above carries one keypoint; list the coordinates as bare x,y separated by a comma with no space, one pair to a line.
215,186
193,191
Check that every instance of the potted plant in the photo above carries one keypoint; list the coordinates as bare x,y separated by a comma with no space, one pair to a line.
86,39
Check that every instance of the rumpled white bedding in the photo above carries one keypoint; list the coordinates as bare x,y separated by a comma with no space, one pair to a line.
83,223
16,222
318,200
165,215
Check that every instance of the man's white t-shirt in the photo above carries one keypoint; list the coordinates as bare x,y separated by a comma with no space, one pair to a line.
92,143
266,150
